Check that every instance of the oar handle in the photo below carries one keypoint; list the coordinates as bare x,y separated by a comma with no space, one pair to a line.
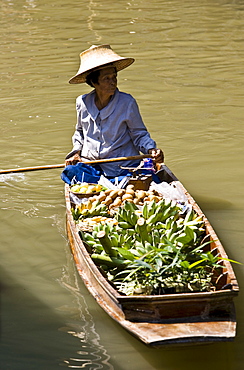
36,168
97,161
118,159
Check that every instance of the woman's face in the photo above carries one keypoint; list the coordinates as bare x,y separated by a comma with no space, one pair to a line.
107,81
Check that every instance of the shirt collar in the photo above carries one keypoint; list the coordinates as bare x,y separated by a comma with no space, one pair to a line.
89,101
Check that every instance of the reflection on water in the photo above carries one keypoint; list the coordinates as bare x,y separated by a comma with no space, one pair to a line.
188,80
91,355
90,20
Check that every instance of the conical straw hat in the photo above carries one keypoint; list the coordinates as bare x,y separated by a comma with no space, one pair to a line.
98,56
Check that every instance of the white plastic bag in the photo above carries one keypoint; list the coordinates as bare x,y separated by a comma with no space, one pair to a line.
117,185
177,193
171,191
106,183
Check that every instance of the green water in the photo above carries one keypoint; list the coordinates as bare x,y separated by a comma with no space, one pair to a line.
188,81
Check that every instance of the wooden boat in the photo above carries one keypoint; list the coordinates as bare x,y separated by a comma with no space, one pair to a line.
158,320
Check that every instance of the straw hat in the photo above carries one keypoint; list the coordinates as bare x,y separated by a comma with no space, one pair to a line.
97,57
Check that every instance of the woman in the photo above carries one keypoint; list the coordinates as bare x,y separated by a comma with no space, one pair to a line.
109,123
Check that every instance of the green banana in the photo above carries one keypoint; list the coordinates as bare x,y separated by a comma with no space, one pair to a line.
118,216
155,237
151,208
145,210
129,206
88,237
161,205
132,218
141,229
97,247
108,261
172,236
130,232
150,227
160,226
124,214
114,240
128,243
165,214
124,225
189,216
156,216
121,239
105,240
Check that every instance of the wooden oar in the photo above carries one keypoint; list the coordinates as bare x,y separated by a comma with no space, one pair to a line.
97,161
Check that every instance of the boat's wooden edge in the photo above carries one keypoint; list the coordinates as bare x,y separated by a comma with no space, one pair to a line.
158,335
177,298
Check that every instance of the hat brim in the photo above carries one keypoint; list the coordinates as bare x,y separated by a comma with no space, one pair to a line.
119,64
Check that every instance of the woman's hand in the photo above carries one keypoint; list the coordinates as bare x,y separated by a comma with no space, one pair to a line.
73,160
157,155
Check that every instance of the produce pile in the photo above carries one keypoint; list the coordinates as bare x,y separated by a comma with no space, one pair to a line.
146,244
86,188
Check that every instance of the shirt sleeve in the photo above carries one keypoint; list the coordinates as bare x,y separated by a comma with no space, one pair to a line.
138,131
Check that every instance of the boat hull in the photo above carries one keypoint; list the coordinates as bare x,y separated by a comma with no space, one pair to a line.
183,318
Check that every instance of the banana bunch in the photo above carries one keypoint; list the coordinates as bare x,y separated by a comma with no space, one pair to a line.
88,222
194,222
101,247
92,243
143,235
109,230
148,209
90,209
159,212
140,225
108,262
172,228
106,238
107,227
125,237
157,224
184,230
95,242
126,215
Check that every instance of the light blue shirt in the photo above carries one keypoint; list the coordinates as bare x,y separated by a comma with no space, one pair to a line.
115,131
